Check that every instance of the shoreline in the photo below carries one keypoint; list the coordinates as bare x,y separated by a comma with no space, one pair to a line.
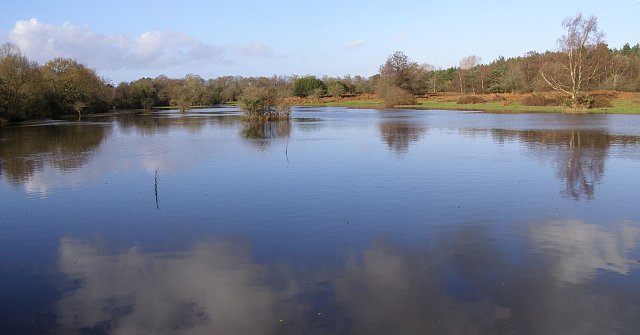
627,103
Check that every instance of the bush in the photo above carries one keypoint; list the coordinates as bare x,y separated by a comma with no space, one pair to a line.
469,99
601,101
261,103
395,96
308,85
539,100
581,102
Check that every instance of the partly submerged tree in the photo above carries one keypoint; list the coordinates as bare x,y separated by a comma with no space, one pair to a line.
263,103
577,45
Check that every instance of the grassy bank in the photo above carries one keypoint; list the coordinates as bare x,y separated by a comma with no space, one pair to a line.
618,103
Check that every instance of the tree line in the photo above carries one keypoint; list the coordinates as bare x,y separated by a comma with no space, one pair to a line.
61,86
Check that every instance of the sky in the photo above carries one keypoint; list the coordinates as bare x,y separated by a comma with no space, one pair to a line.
127,40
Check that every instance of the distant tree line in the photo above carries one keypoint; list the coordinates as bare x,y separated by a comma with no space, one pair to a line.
619,69
64,86
583,63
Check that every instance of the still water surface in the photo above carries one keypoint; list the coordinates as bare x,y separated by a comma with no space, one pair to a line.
338,222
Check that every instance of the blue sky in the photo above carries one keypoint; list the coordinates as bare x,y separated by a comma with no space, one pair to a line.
126,40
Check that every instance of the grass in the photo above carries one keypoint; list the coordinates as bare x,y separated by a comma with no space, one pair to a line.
622,103
491,106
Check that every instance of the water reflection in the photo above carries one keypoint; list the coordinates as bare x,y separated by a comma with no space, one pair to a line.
579,156
464,283
260,133
398,135
40,157
212,288
580,249
66,147
144,124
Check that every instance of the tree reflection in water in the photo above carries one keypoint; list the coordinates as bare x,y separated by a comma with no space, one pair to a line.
398,135
260,133
579,156
65,147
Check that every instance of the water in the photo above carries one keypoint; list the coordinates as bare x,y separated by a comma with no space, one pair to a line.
338,222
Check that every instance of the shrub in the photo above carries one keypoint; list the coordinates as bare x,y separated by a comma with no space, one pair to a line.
539,100
581,102
261,103
601,101
395,96
469,99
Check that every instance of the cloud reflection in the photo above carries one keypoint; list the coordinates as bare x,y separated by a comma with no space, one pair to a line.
210,289
580,249
568,278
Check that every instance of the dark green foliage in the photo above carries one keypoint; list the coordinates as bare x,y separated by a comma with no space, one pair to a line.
216,97
309,85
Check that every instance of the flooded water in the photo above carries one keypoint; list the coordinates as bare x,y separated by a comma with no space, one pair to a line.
339,221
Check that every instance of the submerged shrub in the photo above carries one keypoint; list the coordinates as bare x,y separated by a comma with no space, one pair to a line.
262,103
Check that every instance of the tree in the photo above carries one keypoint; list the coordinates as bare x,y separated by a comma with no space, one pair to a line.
308,85
394,85
187,92
465,74
577,46
263,103
337,88
69,82
20,85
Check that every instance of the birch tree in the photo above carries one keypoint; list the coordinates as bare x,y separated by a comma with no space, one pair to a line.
577,45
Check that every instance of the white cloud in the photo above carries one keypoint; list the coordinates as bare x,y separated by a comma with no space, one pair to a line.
151,50
356,44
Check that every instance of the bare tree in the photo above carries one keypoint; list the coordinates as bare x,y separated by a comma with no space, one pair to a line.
577,45
396,80
466,64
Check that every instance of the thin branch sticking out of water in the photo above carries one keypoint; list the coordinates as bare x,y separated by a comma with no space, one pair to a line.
286,152
156,189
